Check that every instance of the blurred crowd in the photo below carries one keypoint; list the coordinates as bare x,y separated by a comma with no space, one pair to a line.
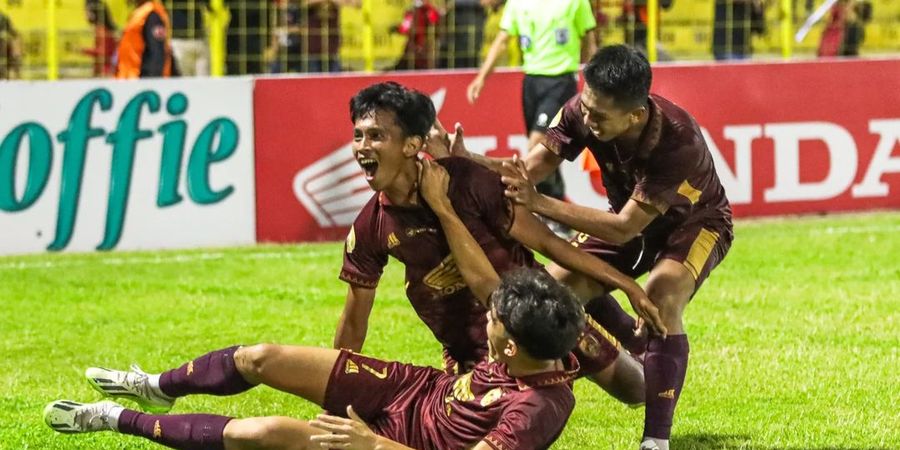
304,36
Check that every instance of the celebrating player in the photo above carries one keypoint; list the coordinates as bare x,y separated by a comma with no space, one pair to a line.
521,399
391,125
669,213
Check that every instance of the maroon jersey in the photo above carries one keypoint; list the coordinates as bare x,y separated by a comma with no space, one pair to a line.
672,169
425,409
413,236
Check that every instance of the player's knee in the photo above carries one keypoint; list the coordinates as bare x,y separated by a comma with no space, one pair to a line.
253,361
260,433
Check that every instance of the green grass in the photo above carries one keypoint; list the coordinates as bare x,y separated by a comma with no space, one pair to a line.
794,339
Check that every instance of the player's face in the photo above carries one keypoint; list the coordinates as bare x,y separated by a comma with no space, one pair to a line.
606,120
498,340
381,148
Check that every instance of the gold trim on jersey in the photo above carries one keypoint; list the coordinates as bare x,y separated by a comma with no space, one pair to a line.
351,240
599,328
445,278
700,251
692,193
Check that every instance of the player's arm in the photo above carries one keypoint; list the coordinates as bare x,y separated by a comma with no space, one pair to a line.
487,67
540,161
528,230
354,322
471,261
611,227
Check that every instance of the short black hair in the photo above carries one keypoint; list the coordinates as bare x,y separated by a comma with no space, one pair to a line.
539,313
620,72
413,110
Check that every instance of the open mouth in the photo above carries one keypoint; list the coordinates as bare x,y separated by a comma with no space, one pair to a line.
369,166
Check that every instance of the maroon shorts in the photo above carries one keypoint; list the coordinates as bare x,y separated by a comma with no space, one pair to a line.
700,248
597,349
381,392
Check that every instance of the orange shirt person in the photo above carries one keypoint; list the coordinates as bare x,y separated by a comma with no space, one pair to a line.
144,49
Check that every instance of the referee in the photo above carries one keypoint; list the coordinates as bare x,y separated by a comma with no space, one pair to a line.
553,36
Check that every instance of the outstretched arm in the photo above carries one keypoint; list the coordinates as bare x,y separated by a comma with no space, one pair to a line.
528,230
473,264
616,228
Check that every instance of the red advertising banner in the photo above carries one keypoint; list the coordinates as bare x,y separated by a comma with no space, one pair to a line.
788,138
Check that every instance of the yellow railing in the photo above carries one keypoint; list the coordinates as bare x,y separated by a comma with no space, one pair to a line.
54,33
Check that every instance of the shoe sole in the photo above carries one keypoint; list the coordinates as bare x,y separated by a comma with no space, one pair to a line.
145,406
48,411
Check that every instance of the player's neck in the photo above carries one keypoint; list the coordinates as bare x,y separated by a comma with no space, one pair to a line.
524,366
630,139
404,191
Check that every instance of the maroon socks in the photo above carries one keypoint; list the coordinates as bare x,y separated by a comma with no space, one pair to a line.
214,373
665,365
187,432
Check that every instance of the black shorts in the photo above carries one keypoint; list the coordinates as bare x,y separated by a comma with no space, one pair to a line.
544,96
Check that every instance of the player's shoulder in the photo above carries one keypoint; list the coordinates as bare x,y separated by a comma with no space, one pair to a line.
463,167
682,133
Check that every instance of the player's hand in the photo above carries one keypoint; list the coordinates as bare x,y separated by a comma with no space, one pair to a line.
437,142
648,313
344,433
434,182
474,90
457,145
519,187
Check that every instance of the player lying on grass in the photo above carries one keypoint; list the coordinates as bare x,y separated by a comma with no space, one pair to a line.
391,125
669,217
519,399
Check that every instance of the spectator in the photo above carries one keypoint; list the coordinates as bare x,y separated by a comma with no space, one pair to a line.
493,13
144,50
321,43
551,35
468,21
845,30
635,17
734,22
247,36
105,31
189,43
10,50
420,25
284,51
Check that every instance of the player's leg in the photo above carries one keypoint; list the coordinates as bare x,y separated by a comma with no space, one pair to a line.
689,257
183,431
303,371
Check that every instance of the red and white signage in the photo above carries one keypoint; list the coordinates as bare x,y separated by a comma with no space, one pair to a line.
787,138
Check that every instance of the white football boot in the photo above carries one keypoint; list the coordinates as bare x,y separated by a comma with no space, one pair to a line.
132,385
66,416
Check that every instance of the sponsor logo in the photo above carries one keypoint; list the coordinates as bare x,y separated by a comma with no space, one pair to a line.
392,240
670,394
445,277
334,188
351,368
216,142
351,240
492,396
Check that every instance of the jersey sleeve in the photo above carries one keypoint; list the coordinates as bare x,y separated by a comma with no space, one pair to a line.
665,180
563,133
508,19
364,259
584,18
477,191
533,423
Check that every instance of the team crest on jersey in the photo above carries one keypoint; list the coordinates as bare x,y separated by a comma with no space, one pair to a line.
445,277
589,345
351,240
462,388
492,396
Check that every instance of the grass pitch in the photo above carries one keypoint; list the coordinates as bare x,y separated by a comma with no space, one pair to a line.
794,339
